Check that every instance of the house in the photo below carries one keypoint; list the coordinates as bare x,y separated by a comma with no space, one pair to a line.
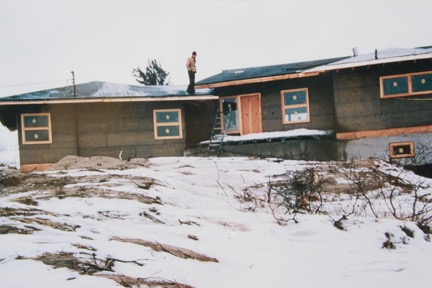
107,119
376,104
370,105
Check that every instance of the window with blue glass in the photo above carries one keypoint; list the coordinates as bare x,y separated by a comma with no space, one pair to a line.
295,106
406,85
167,124
36,128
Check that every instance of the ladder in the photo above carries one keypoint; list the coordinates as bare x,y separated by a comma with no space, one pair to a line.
218,134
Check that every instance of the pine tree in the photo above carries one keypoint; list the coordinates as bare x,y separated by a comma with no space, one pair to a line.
154,74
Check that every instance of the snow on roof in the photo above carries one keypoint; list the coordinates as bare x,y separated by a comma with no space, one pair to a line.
377,57
95,90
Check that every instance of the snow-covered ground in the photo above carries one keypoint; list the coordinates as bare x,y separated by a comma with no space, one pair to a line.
8,147
136,216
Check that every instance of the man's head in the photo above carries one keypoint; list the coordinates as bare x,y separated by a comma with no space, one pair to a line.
194,54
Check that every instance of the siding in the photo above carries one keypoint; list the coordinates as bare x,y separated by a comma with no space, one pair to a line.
104,129
358,105
321,104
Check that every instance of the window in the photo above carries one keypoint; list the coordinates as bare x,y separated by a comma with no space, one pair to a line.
167,124
36,128
295,106
401,150
230,114
406,85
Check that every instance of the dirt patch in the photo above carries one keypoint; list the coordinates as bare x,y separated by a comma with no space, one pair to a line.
93,265
49,223
97,162
173,250
10,212
8,229
151,282
83,192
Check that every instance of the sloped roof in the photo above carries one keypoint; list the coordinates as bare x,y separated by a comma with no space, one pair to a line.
377,57
263,73
107,92
312,68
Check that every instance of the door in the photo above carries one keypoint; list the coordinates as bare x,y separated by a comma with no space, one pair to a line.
250,114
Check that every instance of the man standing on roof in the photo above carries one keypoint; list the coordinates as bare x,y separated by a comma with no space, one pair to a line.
191,67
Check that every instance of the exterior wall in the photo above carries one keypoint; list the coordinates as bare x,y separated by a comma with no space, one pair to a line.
63,128
295,149
358,105
321,104
106,129
378,147
199,118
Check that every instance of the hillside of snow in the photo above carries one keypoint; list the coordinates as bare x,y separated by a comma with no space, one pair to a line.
213,222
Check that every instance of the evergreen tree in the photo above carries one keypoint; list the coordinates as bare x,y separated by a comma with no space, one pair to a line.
154,74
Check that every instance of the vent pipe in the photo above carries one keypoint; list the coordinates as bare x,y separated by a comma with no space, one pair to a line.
355,51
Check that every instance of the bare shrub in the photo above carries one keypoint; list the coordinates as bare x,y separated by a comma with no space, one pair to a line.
300,192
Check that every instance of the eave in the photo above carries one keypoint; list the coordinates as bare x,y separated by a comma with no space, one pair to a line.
256,80
383,61
109,100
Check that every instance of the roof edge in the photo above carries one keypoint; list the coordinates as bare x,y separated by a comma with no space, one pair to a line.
112,100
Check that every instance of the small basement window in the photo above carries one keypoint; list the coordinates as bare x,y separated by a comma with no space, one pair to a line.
167,124
36,128
406,85
402,150
295,106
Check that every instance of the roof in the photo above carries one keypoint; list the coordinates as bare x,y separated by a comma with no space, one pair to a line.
263,74
312,68
107,92
377,57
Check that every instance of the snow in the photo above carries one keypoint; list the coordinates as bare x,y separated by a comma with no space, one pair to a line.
274,135
383,56
8,147
251,248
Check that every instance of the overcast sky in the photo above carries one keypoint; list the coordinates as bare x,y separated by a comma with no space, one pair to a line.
42,41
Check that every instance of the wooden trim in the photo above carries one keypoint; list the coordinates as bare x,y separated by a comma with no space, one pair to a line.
110,100
295,106
35,167
179,124
406,155
257,80
410,91
45,128
383,132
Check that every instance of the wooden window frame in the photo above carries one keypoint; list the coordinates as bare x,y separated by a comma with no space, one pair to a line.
25,129
395,144
284,106
410,90
177,123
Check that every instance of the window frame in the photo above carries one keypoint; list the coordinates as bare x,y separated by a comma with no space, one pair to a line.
406,155
25,129
284,106
410,88
178,123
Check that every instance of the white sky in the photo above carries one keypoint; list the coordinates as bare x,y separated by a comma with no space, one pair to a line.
42,41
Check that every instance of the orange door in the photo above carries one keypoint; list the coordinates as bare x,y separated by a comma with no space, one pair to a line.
250,114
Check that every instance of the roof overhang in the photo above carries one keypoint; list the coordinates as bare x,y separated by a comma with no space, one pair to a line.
365,63
257,80
110,100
